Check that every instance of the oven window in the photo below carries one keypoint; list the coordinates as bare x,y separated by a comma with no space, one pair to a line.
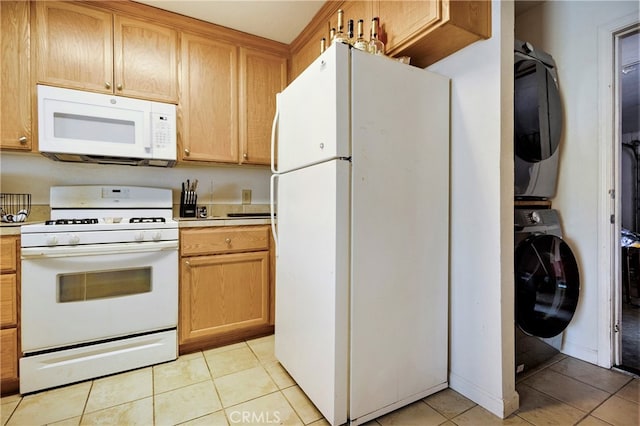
81,286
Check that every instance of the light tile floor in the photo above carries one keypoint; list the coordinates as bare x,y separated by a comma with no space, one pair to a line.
244,384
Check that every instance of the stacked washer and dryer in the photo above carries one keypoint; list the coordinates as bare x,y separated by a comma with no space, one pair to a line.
547,279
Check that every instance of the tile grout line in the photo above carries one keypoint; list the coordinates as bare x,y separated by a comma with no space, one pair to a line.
14,410
215,388
86,402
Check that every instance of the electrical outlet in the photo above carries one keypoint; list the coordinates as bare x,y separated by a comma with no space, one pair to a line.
246,196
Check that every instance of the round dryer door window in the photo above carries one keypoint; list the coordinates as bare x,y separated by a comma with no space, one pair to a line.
537,112
547,285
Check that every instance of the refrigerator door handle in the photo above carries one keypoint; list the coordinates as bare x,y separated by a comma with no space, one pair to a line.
272,210
274,128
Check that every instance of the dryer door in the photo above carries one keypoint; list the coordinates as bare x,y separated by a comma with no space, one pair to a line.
537,111
547,285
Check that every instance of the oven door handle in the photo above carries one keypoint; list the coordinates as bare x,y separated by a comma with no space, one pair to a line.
96,249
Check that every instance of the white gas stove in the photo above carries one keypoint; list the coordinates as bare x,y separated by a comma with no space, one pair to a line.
91,214
99,285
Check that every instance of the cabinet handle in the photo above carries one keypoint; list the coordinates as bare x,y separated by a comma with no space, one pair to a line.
187,152
187,263
228,241
119,87
107,85
22,140
245,155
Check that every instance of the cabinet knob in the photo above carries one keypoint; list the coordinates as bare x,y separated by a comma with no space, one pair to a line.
245,155
22,140
227,240
119,87
107,85
187,263
186,151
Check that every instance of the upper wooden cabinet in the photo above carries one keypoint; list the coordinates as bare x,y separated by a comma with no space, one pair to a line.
262,76
83,47
208,100
432,30
426,31
146,59
15,76
227,100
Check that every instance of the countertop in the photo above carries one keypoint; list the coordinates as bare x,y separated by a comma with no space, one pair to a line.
7,228
221,221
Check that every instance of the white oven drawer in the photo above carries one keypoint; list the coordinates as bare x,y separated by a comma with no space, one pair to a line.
80,297
73,365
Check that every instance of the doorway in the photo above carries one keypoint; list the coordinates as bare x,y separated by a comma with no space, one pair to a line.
627,306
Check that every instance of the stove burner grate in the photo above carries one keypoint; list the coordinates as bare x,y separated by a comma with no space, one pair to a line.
71,221
146,219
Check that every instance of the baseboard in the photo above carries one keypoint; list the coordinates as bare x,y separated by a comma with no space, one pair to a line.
501,407
580,352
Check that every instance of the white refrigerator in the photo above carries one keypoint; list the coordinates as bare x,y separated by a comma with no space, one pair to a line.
361,192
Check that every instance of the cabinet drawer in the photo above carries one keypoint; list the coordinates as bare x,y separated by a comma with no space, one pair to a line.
8,252
8,302
198,241
9,353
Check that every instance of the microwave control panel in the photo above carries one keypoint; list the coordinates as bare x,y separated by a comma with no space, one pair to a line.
163,135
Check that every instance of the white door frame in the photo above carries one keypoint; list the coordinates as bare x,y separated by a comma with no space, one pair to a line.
609,271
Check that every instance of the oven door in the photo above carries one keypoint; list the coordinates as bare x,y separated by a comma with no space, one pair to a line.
78,294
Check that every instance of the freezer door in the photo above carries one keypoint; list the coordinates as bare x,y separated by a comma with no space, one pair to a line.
312,273
313,121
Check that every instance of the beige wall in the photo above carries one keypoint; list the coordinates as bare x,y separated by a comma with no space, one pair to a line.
481,257
35,174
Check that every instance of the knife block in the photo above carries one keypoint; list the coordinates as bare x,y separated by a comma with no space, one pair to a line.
188,201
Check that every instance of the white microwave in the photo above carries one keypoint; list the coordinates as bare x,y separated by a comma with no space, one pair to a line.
80,126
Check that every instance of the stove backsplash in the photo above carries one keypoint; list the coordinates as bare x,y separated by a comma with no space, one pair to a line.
220,187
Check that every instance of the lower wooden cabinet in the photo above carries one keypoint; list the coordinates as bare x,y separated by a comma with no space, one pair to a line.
8,356
9,313
225,291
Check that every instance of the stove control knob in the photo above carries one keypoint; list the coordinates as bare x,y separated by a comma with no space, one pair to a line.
139,236
52,240
157,236
74,239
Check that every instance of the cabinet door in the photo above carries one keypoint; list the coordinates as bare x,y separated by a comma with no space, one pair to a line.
74,46
262,75
8,253
8,301
223,293
401,20
15,77
208,100
9,354
146,60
